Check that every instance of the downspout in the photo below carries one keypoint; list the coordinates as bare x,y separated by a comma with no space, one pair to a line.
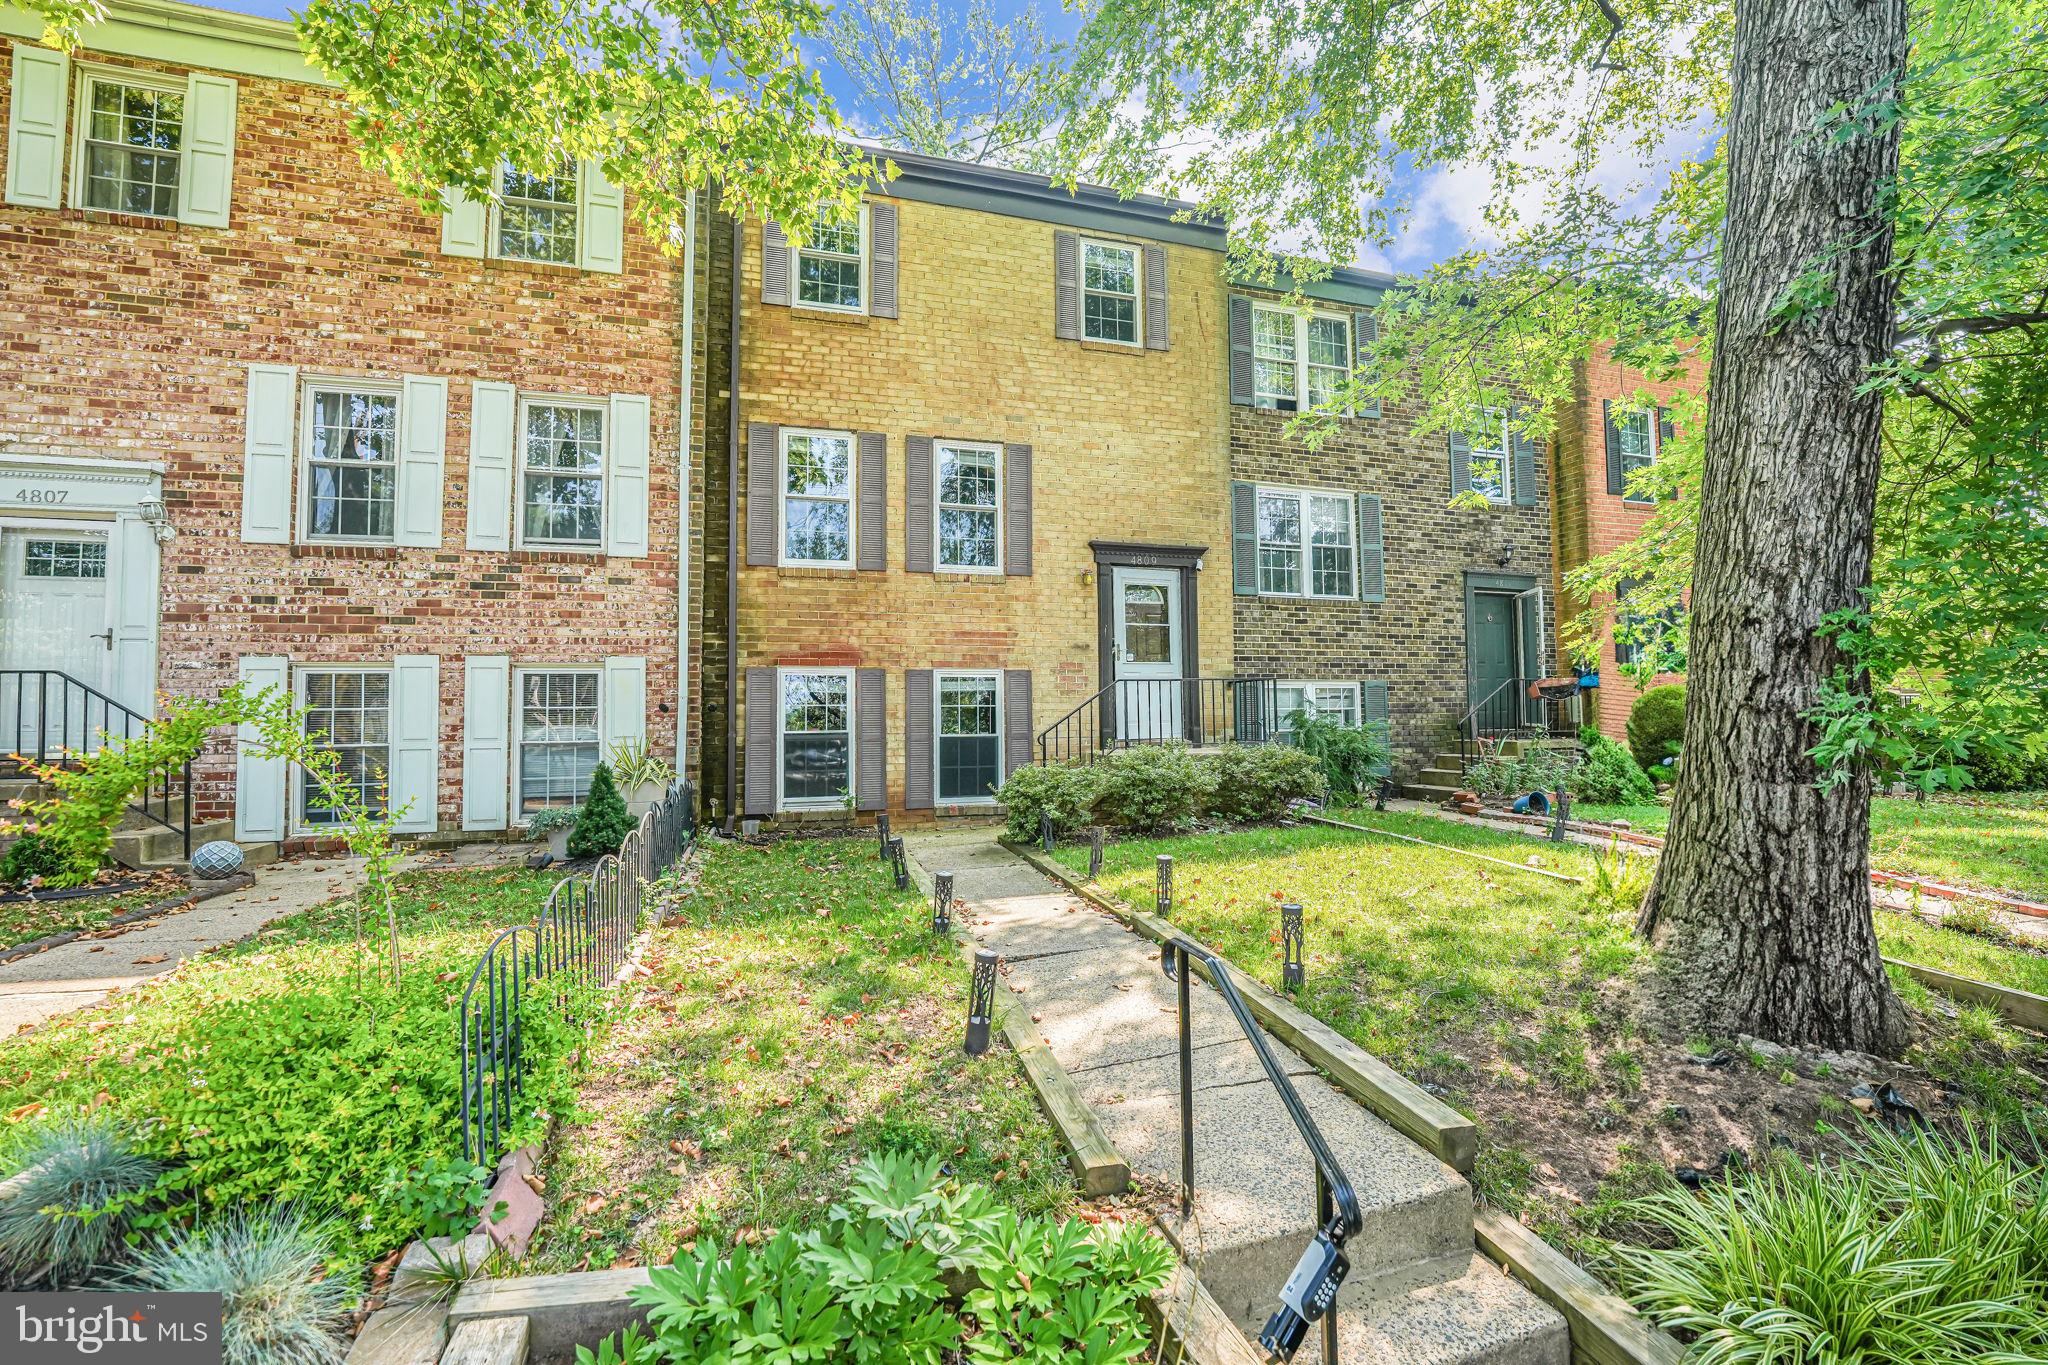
732,537
683,480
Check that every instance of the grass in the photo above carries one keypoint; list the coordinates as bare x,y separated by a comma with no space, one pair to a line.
24,920
800,1014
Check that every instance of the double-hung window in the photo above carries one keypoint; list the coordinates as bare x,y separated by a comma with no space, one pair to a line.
831,265
537,215
814,729
969,496
1307,543
1488,457
348,712
1109,292
134,138
970,737
558,735
561,473
1299,360
1333,702
1637,433
350,475
817,498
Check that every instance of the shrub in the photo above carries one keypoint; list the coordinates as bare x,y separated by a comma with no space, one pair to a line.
1611,776
604,822
1541,769
72,1183
1352,758
34,856
1923,1246
548,819
1154,787
1065,790
1656,724
1254,782
279,1306
1991,769
442,1195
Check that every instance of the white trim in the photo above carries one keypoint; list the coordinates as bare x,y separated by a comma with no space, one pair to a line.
796,299
295,790
493,216
1507,458
993,449
603,408
782,802
301,510
89,72
1300,364
1306,543
939,677
851,498
516,724
1656,433
1137,341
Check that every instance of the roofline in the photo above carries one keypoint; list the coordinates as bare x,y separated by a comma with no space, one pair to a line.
1343,284
188,35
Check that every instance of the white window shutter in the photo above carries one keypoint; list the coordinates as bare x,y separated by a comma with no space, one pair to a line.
267,440
493,413
486,740
134,572
625,702
206,182
259,782
600,221
463,223
626,516
423,441
35,127
415,777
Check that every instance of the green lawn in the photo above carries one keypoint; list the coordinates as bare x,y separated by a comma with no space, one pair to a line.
21,921
800,1014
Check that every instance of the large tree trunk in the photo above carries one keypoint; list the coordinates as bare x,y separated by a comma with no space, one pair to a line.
1762,901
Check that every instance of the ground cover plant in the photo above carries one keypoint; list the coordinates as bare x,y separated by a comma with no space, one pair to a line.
24,920
800,1016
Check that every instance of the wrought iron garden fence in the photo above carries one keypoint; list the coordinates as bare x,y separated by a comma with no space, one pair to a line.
577,943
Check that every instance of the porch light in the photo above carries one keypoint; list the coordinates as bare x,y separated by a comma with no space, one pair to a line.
942,902
981,996
1096,836
900,864
1385,790
1162,899
882,834
1045,830
1563,807
1290,947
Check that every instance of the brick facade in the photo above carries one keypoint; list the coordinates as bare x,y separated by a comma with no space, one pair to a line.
130,339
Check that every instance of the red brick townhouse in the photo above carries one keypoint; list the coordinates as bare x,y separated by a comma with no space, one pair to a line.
263,418
1604,435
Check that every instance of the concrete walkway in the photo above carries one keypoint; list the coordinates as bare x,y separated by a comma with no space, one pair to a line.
1417,1291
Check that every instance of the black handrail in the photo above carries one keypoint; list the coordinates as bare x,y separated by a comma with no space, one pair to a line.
1338,1216
1510,711
1132,711
156,784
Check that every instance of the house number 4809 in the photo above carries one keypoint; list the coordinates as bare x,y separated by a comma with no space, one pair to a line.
44,496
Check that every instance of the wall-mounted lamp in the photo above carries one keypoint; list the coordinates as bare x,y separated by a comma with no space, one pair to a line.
1087,578
1507,552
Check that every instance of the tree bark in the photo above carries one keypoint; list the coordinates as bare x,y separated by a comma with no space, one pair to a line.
1762,905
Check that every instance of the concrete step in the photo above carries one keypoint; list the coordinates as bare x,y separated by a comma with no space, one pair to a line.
1437,775
1422,791
1464,1311
153,846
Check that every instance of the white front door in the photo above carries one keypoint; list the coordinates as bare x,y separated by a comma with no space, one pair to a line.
53,619
1146,603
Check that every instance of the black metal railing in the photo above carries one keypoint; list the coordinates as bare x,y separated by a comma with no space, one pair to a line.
1337,1213
578,942
1130,711
58,721
1519,708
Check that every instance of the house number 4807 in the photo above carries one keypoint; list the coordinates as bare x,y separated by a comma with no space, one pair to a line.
44,496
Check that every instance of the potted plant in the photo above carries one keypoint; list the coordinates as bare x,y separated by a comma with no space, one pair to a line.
642,776
553,824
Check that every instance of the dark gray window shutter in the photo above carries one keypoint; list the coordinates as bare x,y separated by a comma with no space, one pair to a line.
1665,430
1365,330
1018,740
1017,509
761,708
1372,549
1066,286
917,504
1240,349
774,264
919,768
1525,460
1155,298
1373,714
763,455
1461,463
1244,539
871,739
882,260
873,552
1614,478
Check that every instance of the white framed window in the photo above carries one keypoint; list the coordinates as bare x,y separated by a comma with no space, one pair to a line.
535,216
1492,470
561,472
1299,359
969,497
349,708
817,498
1335,702
1110,304
831,268
1307,543
813,737
131,143
968,737
79,560
1640,441
348,460
560,735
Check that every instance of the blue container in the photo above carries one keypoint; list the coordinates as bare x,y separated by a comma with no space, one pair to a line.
1589,679
1535,803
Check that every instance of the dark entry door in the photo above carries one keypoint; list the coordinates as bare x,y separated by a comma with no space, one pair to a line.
1491,636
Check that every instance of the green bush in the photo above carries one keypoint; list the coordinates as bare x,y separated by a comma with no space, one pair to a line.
1536,769
1353,758
1610,776
33,856
1254,782
1065,790
72,1183
1991,770
281,1303
604,822
1154,787
1656,724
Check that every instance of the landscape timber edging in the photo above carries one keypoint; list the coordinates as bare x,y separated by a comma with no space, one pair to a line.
1604,1329
2024,1008
1418,1115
